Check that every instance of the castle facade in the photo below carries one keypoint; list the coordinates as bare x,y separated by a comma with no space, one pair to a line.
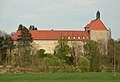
48,39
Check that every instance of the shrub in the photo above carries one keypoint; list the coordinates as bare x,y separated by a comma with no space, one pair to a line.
84,64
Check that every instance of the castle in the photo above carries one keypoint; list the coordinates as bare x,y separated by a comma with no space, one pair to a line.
48,39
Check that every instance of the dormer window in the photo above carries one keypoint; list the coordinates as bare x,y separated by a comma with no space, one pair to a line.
68,37
73,37
83,37
78,37
62,37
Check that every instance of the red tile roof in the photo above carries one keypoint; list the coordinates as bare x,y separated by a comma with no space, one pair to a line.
96,25
55,34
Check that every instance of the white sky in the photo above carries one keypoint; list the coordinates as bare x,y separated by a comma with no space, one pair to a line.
58,14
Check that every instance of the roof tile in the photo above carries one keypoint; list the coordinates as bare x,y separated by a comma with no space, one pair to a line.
96,25
54,34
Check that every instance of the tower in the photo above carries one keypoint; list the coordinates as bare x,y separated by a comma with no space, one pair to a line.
97,31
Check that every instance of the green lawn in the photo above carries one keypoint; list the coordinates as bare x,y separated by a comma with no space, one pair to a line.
60,77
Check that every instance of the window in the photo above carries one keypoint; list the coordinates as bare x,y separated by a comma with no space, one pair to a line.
68,37
62,37
83,37
73,37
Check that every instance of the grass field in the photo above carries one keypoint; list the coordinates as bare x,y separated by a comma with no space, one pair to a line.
60,77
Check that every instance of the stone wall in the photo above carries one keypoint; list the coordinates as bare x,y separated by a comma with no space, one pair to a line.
49,45
99,35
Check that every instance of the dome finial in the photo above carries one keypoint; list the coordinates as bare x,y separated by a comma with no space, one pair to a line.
98,15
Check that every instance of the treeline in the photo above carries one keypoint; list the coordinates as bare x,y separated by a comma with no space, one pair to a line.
31,27
23,57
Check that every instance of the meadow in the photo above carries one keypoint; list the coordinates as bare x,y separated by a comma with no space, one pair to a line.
60,77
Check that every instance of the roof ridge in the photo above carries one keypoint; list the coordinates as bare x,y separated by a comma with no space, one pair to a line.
60,30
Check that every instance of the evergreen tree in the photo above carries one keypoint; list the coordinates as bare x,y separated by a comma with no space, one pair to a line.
3,49
6,43
10,47
24,46
25,38
32,27
20,27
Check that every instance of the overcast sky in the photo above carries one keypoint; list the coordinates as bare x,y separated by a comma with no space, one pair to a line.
58,14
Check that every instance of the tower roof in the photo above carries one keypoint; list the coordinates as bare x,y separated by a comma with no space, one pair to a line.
96,24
